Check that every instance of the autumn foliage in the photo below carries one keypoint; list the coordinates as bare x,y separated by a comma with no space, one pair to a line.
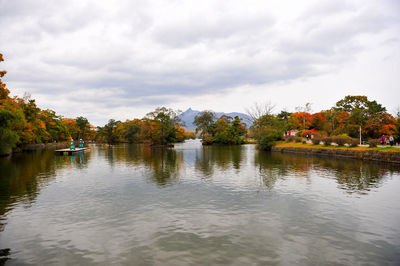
160,127
341,123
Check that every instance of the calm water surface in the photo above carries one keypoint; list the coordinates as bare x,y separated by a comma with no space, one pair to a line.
132,205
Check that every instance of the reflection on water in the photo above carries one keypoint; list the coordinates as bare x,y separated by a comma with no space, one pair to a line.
23,175
350,175
130,204
223,157
162,164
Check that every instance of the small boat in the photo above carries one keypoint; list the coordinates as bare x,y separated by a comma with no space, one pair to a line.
70,151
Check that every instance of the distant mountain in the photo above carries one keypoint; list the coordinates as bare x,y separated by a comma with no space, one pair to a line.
189,115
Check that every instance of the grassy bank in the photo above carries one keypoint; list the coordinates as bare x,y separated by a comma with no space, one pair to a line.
381,154
283,144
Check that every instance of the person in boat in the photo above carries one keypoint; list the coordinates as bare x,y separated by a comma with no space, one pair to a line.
81,142
72,144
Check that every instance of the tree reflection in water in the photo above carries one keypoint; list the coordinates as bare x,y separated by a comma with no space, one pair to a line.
162,164
233,171
355,175
351,175
222,157
23,175
273,166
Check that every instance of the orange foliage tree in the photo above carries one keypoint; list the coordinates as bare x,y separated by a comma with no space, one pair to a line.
382,124
318,121
300,120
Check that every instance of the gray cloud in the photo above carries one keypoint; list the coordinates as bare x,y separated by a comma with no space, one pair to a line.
196,30
142,53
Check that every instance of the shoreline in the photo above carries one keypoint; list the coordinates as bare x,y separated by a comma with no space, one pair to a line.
34,147
61,145
341,152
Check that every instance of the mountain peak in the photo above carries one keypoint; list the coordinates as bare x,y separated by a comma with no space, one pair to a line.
189,110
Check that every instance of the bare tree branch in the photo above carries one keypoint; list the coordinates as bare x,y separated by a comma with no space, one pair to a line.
259,109
306,108
397,111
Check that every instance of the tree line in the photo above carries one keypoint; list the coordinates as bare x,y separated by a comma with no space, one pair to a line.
341,123
22,122
345,120
160,127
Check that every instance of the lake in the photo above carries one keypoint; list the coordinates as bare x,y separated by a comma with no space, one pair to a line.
194,205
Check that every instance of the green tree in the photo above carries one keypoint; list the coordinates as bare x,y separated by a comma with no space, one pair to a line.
83,125
268,140
283,118
132,129
226,130
164,128
108,131
55,126
222,132
266,130
351,103
238,130
8,138
31,111
360,110
204,122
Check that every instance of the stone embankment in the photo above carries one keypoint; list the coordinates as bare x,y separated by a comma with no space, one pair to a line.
369,155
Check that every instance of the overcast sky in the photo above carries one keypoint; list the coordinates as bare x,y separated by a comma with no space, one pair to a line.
121,59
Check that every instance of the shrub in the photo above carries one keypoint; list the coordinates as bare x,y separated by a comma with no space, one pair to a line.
373,142
207,140
354,142
267,141
327,141
341,140
298,139
316,140
344,136
304,141
290,138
